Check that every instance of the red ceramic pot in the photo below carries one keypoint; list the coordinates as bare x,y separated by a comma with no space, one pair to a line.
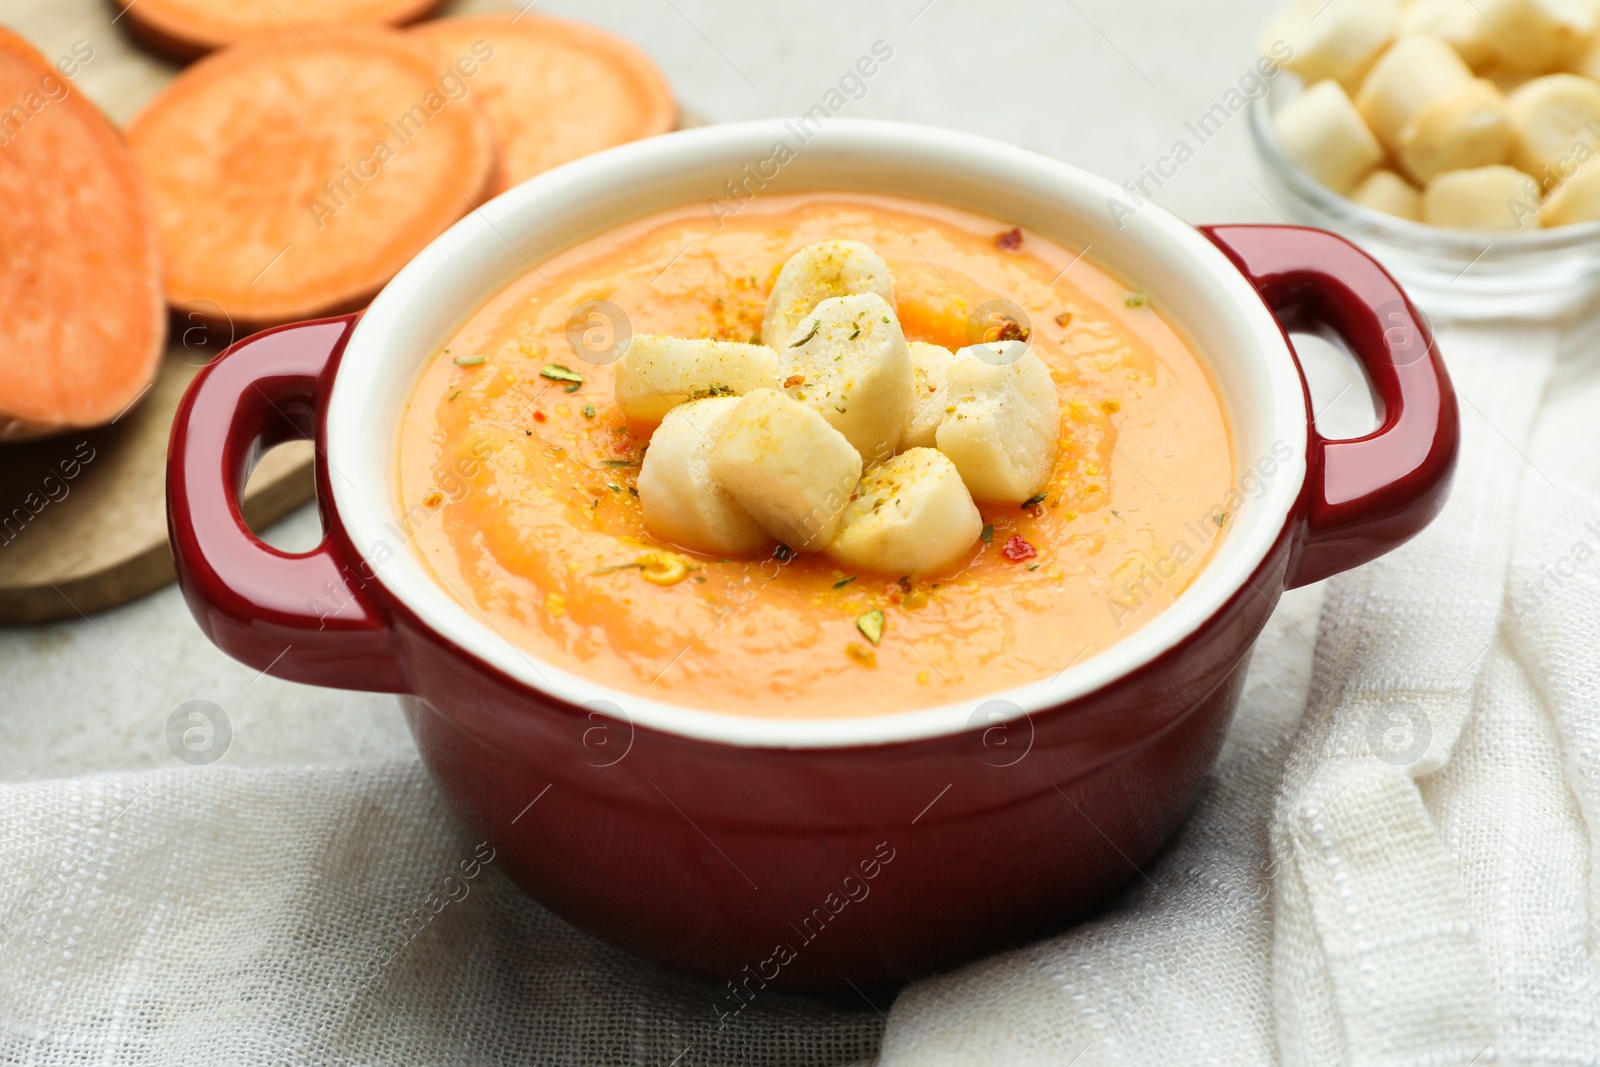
806,853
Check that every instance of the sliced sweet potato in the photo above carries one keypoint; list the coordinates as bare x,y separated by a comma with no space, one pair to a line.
294,175
188,28
553,90
82,325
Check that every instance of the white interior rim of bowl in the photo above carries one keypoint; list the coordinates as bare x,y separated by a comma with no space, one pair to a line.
416,313
1395,230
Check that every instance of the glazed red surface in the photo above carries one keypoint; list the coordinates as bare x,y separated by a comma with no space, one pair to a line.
1367,494
310,610
711,857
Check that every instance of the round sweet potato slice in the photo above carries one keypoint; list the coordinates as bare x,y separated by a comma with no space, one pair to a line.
294,175
82,323
553,90
188,28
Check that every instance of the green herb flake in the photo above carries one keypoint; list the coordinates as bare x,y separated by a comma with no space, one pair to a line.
558,372
1033,567
588,411
842,582
621,463
987,535
618,567
1220,519
871,625
816,324
470,361
453,396
1033,501
1137,300
614,487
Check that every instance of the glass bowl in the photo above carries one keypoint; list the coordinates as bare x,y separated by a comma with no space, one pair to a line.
1461,273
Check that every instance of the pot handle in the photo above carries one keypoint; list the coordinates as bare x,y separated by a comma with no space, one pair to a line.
1366,495
302,617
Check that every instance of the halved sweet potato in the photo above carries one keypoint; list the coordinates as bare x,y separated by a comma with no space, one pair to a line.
294,175
82,325
553,90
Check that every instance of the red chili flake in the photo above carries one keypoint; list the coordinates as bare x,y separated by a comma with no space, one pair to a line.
793,380
1009,241
539,416
1017,550
1013,332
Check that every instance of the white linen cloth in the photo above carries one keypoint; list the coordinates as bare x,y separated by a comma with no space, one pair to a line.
210,915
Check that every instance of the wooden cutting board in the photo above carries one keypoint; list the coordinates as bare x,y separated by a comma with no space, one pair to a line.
83,522
77,544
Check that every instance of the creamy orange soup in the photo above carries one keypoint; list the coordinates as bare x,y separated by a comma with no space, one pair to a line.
519,489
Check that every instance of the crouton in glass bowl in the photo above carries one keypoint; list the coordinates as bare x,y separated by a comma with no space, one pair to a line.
1458,142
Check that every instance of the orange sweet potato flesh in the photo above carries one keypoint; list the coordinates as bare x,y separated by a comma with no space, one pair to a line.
82,324
188,28
293,176
553,90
